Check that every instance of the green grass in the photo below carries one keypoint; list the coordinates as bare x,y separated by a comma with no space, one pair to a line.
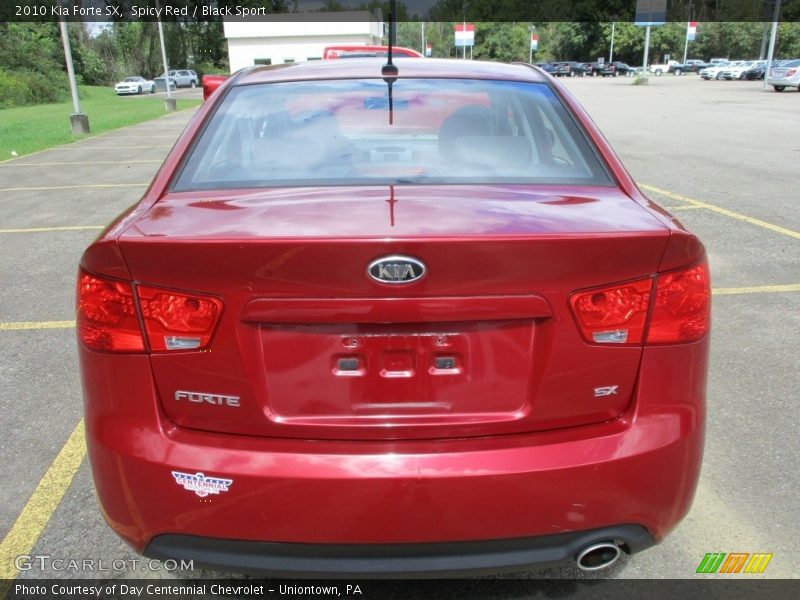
30,128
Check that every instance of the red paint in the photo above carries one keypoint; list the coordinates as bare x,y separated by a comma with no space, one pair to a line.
332,52
211,83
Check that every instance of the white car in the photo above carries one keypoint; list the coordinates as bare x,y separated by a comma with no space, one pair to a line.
135,85
715,72
785,75
738,71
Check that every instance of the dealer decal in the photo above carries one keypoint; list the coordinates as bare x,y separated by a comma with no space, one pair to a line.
200,484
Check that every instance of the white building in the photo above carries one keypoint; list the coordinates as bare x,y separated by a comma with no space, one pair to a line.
284,39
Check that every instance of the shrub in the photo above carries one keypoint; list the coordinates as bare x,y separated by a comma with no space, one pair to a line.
24,87
207,68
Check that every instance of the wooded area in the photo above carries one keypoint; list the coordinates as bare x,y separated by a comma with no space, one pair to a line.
32,66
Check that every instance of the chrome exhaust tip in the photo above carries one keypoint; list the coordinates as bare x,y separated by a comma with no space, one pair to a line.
598,556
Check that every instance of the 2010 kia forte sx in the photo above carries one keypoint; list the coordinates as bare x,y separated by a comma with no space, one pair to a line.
421,322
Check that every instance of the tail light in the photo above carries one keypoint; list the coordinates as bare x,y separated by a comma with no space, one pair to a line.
614,314
680,309
108,319
791,72
178,320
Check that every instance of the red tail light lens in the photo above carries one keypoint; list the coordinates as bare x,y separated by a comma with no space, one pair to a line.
178,320
791,72
682,310
617,314
107,319
614,314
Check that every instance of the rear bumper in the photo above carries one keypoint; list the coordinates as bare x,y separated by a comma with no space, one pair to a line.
785,81
385,560
640,469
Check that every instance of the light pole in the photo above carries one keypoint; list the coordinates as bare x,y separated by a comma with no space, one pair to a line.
773,35
646,49
169,103
613,27
77,120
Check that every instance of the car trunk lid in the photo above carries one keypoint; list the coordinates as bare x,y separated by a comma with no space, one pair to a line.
311,346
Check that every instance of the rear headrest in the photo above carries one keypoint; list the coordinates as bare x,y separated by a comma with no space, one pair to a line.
469,120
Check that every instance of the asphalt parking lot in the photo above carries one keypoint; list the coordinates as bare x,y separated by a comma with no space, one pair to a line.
722,156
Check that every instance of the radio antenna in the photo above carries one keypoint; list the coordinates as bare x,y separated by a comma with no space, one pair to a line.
390,69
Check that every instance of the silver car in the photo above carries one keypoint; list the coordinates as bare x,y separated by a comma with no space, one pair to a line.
785,75
183,78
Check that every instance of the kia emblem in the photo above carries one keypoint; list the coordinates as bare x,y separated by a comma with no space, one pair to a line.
396,269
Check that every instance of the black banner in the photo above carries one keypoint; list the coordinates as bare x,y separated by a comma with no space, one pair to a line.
733,588
408,10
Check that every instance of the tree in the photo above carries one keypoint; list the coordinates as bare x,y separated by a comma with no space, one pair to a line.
507,42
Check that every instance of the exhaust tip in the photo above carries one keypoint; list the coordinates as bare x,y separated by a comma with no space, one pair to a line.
598,556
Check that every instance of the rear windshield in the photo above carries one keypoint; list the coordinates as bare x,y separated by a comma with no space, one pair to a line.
356,132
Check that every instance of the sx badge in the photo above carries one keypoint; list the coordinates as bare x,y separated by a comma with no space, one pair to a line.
201,484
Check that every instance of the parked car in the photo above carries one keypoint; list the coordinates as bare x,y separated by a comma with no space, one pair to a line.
360,51
183,78
593,68
211,83
615,69
756,72
693,65
134,85
569,69
739,70
785,75
373,324
548,67
716,71
660,69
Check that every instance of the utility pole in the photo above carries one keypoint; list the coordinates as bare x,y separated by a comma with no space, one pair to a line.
686,45
772,37
78,121
613,27
646,49
170,104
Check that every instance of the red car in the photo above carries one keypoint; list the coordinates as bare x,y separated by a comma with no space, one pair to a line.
211,83
362,51
419,323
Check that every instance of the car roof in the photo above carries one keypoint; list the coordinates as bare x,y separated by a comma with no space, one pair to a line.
366,68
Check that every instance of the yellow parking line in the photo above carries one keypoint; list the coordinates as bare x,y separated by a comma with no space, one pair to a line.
139,137
48,229
93,162
723,211
72,187
18,325
691,207
110,147
31,522
792,287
